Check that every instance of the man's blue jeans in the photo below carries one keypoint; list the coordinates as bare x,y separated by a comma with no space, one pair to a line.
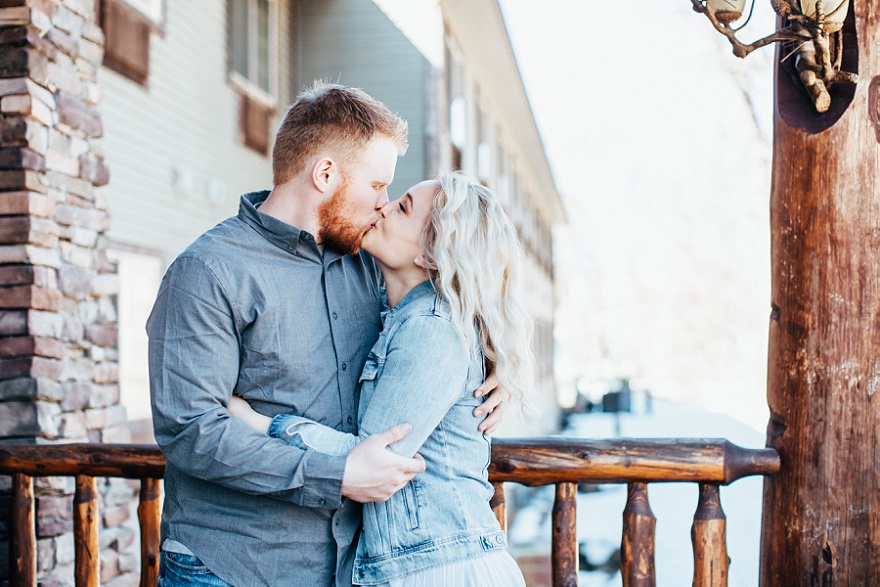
181,570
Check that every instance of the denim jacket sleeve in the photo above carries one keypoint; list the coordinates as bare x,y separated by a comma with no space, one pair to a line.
424,371
194,360
426,368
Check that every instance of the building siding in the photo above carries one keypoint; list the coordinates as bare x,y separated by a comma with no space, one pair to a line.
186,119
354,43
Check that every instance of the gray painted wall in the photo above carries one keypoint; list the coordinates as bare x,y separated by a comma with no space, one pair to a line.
353,42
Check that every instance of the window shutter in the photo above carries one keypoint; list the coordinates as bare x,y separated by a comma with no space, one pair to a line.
255,119
127,40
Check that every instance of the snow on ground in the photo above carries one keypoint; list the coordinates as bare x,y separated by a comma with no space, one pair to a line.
600,514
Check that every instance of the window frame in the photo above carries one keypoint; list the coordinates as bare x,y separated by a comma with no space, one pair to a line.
239,81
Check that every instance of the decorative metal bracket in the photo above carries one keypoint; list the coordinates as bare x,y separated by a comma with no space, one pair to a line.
813,41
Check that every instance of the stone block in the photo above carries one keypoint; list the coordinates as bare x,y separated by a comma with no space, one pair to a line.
23,346
29,367
91,51
103,396
92,32
71,425
23,62
42,323
54,506
54,485
115,435
129,563
62,162
106,335
106,310
29,37
19,388
75,281
13,131
14,229
64,549
27,203
63,41
28,296
76,395
109,566
106,284
13,322
17,16
20,419
94,170
115,516
45,555
18,157
68,21
49,527
49,390
124,580
72,186
76,255
84,237
76,114
106,373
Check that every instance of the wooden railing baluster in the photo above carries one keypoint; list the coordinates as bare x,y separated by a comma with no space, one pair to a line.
498,505
23,532
637,546
149,516
87,555
564,548
710,544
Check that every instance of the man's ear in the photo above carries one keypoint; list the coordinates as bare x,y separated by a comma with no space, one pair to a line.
324,173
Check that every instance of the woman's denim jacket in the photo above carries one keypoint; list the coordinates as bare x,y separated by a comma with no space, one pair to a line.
418,372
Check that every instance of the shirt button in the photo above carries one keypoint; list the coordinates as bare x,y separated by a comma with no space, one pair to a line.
337,521
334,316
344,366
322,501
350,419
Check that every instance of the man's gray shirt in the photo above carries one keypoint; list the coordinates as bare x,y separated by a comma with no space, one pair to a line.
253,308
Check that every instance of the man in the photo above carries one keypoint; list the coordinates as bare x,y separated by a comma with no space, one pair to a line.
277,305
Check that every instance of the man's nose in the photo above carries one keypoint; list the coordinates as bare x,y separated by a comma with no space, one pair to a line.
386,208
382,200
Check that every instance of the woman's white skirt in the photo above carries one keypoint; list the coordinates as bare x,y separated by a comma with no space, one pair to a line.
497,569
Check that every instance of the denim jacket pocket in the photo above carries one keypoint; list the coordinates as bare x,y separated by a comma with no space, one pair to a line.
411,504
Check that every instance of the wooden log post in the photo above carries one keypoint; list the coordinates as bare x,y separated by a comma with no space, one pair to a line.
23,532
637,545
149,517
85,533
709,537
498,504
821,515
564,543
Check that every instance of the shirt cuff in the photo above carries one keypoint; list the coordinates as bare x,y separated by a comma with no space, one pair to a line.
323,475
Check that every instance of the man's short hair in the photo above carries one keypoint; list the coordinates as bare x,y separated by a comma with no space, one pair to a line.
335,118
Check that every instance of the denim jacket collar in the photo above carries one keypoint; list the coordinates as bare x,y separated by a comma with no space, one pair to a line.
422,290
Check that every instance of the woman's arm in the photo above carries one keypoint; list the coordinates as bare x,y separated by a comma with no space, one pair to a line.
425,370
295,430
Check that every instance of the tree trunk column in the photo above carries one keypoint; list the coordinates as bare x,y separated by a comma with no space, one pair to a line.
58,333
821,521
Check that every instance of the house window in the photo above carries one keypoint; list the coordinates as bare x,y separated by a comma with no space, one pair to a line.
127,25
253,67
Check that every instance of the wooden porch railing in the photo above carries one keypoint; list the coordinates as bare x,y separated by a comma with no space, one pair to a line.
563,462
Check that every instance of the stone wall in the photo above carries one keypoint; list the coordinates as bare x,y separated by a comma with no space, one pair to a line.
58,333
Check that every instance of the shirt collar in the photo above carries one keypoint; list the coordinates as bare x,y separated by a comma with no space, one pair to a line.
283,235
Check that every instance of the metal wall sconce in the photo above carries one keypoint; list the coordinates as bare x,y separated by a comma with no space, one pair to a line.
811,37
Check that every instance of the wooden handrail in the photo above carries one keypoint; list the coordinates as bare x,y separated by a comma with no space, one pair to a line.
548,461
563,462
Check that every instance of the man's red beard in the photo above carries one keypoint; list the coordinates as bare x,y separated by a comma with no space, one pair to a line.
338,231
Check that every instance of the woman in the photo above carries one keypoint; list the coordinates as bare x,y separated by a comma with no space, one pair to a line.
450,258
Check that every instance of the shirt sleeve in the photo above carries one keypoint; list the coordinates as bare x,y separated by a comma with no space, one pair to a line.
426,369
194,359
